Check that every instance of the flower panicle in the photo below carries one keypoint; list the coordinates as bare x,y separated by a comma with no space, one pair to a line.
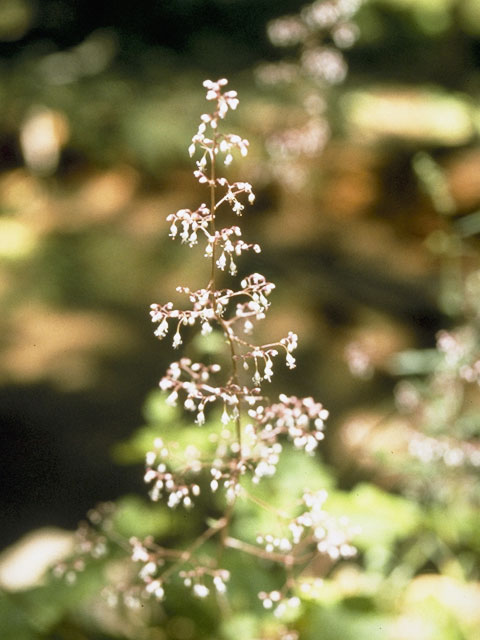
250,435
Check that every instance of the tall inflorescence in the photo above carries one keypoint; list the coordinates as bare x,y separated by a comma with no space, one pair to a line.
314,40
250,430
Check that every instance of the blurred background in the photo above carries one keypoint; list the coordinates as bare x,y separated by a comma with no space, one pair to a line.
366,166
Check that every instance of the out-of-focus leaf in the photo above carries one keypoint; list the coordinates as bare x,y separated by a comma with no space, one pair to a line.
162,419
340,622
433,117
451,602
39,610
243,625
382,518
414,362
13,620
460,528
135,516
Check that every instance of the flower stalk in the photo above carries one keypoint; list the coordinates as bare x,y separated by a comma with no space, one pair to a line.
246,435
254,445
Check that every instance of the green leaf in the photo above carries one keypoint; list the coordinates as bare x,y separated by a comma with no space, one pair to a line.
134,516
382,518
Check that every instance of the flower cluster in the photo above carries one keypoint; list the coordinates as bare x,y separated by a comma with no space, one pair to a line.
317,33
194,380
164,481
451,452
445,437
313,530
300,420
245,431
89,543
435,427
313,29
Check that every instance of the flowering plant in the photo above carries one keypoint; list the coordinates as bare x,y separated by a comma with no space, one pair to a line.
240,434
251,430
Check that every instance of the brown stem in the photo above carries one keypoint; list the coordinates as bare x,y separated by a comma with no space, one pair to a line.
287,559
186,555
211,284
226,329
230,336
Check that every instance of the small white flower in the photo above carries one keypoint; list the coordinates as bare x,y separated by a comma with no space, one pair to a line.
159,593
162,329
173,500
291,362
268,371
189,404
172,399
201,591
247,327
220,585
150,475
208,250
195,490
150,458
221,262
238,208
206,328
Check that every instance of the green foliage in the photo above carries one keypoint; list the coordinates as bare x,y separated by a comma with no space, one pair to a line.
34,614
135,516
382,518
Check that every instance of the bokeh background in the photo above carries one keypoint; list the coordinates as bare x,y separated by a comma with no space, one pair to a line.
368,233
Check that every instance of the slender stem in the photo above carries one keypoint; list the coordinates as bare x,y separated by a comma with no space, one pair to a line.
264,505
213,185
229,334
286,559
187,554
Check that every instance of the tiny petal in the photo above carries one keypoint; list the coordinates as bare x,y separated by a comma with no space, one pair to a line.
172,398
291,362
201,591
